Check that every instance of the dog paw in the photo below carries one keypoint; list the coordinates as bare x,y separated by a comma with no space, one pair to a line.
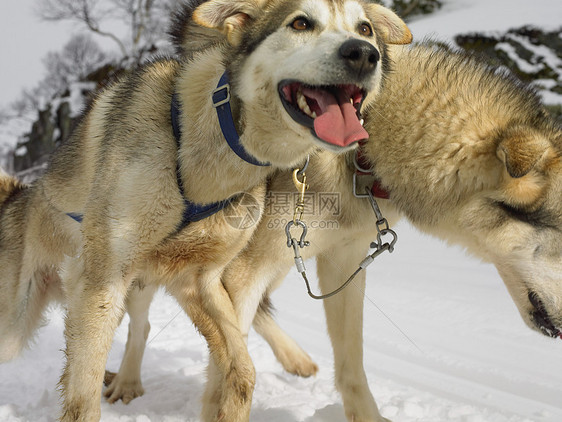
121,389
108,377
297,362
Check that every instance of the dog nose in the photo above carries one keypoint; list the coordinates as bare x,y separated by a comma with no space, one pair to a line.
360,56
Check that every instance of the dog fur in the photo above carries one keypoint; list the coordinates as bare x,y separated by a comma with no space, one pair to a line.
120,170
468,154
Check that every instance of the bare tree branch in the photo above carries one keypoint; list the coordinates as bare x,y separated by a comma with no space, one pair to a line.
145,21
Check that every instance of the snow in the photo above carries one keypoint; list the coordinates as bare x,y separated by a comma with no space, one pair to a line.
11,133
21,151
443,340
460,353
464,16
553,61
541,56
76,100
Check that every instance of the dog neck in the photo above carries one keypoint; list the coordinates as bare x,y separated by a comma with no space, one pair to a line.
221,102
208,167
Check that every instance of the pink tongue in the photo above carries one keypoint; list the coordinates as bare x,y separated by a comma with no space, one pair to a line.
337,123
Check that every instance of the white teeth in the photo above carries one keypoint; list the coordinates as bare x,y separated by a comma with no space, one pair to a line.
362,121
303,105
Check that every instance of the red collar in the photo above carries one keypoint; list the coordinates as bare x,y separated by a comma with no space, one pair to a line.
363,168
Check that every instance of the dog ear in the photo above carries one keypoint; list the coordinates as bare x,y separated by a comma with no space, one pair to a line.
393,29
526,155
521,151
227,16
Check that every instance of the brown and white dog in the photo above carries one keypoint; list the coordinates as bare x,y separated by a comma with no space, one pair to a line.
124,199
468,154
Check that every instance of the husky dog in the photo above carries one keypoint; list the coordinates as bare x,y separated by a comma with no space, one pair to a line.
465,152
142,188
497,175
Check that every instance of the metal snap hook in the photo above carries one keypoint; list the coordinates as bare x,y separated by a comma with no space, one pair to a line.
291,240
301,171
301,188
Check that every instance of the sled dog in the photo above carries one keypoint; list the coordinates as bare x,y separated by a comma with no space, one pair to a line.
466,153
143,189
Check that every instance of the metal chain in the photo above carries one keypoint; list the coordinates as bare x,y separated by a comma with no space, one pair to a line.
382,225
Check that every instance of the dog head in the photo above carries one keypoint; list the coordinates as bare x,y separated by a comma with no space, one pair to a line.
469,154
508,213
526,229
300,70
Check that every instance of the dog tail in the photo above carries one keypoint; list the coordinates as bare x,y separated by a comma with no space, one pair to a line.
21,302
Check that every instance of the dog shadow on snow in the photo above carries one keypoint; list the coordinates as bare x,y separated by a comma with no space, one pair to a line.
171,393
177,396
174,382
330,413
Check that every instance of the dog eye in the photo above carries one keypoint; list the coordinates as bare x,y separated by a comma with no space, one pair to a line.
365,30
301,24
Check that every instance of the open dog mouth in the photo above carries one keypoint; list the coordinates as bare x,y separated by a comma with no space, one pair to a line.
331,112
542,319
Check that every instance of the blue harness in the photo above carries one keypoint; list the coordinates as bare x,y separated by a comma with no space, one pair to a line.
221,101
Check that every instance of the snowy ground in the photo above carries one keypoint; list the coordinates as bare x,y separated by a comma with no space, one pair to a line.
463,355
461,352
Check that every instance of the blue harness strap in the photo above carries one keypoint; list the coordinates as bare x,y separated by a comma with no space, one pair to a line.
75,216
221,101
192,212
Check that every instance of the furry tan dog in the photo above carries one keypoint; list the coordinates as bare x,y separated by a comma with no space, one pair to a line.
467,154
294,77
471,156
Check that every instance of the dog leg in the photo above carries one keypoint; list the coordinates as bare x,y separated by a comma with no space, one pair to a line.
344,316
95,307
231,374
293,358
126,384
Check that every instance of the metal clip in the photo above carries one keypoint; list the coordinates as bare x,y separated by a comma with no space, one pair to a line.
360,180
378,245
363,174
291,240
301,188
221,91
296,244
382,226
299,262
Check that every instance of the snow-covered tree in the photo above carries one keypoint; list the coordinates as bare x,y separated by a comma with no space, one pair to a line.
79,57
408,8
